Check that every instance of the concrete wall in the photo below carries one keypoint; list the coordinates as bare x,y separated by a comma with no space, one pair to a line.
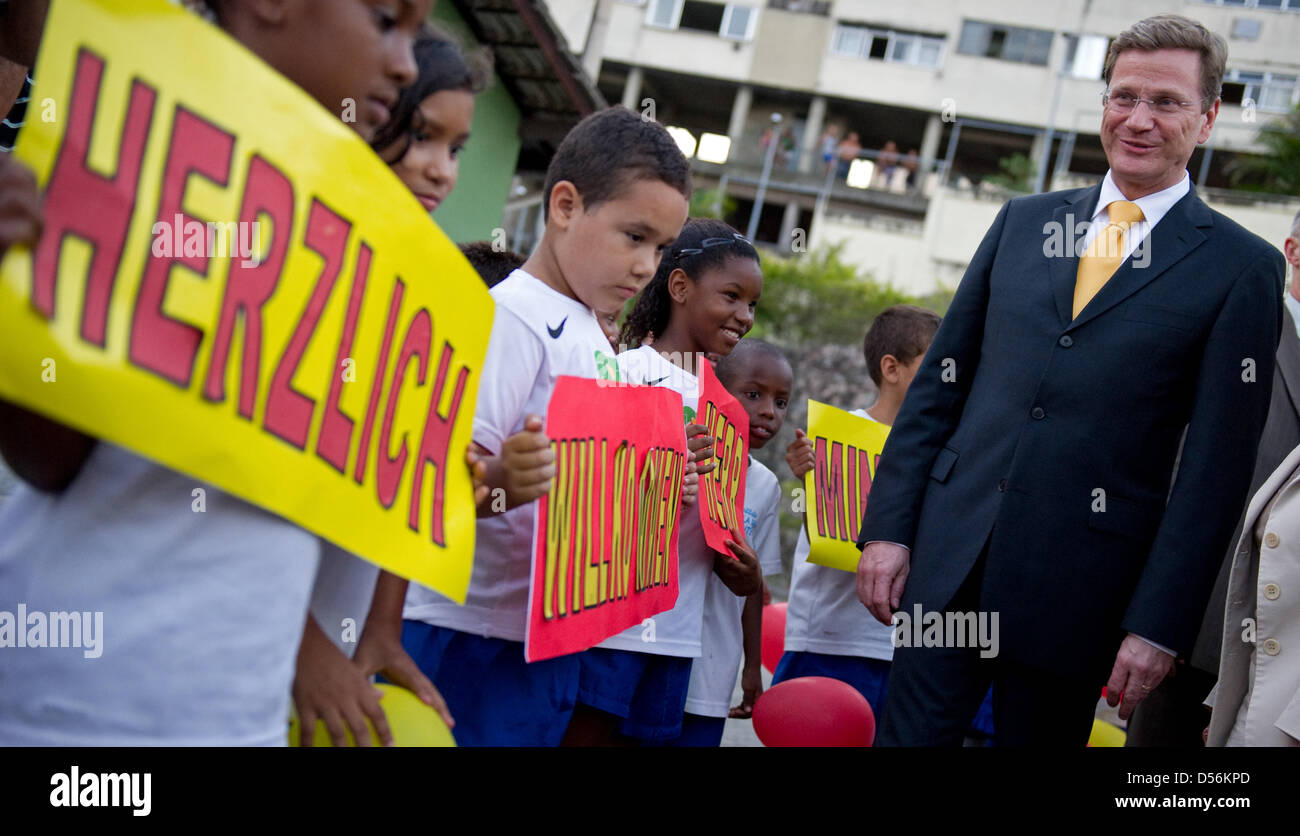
487,164
919,260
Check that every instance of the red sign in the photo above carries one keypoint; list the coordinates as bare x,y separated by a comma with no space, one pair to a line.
605,538
722,490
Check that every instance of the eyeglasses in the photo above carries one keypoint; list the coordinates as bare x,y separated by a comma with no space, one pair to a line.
713,242
1125,102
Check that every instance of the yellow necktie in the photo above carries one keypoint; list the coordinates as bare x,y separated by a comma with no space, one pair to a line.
1105,254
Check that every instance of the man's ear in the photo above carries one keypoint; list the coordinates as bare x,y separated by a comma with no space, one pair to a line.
564,203
1210,115
679,285
1291,249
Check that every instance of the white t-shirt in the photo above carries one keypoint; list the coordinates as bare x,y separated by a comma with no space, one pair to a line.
538,334
824,614
341,596
198,615
676,631
713,675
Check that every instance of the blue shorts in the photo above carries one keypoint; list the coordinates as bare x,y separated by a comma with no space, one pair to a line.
869,676
495,697
697,731
646,690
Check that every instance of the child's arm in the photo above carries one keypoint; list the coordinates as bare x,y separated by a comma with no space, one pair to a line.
44,453
522,473
380,647
327,686
700,461
799,455
751,677
741,574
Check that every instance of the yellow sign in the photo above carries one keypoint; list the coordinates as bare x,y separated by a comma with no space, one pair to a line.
846,449
232,284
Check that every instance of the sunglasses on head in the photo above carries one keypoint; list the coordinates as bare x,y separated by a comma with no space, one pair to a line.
712,242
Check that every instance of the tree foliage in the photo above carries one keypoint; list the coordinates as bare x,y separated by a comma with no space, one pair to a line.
1278,170
818,298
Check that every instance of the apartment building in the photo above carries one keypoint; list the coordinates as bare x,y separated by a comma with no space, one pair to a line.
942,97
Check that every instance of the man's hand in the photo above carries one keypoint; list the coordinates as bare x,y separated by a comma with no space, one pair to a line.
799,455
882,575
1139,668
327,686
528,463
741,574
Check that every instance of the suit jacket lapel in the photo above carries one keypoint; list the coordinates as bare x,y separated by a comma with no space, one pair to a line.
1177,234
1063,268
1288,359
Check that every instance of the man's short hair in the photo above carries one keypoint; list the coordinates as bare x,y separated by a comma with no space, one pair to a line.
492,264
1295,226
1175,32
904,331
608,151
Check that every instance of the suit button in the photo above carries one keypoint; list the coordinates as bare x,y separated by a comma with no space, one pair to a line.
1271,540
1271,646
1065,341
1002,485
1038,412
1272,591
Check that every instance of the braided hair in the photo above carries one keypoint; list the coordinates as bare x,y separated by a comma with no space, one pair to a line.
654,306
442,66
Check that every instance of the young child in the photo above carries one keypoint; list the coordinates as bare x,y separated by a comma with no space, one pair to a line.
422,141
633,685
827,630
492,265
760,377
201,613
616,197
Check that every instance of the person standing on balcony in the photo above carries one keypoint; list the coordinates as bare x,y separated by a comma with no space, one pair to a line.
1027,477
847,152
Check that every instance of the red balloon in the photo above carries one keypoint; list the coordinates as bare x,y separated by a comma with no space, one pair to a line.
773,636
814,711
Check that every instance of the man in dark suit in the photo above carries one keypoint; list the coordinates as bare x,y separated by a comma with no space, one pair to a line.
1174,714
1028,473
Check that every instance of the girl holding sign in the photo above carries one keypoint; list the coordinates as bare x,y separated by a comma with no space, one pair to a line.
701,301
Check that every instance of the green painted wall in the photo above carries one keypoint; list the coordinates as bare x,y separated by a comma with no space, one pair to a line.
488,162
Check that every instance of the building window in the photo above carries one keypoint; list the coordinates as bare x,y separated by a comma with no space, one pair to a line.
890,45
1269,91
1283,5
811,7
1085,56
1010,43
730,20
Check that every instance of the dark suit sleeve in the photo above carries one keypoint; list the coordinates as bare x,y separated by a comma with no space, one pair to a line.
933,405
1218,458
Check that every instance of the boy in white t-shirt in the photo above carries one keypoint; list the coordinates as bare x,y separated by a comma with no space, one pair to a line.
616,196
759,376
827,630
